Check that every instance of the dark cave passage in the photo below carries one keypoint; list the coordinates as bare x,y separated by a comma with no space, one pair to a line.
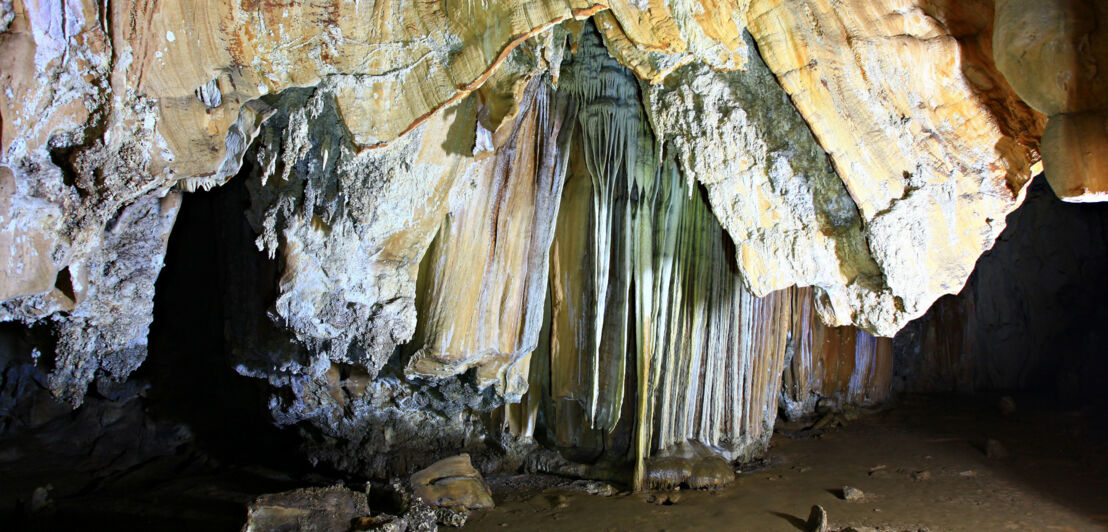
189,367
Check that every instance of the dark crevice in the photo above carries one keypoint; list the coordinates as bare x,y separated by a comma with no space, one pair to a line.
189,366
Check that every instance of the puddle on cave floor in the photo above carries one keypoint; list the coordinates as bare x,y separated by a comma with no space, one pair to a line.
921,465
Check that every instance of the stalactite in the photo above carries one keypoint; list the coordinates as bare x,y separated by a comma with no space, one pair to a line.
658,354
611,127
501,225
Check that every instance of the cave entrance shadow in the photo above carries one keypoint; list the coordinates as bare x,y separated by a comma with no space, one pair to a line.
189,365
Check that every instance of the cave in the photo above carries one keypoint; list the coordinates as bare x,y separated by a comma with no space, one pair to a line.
752,265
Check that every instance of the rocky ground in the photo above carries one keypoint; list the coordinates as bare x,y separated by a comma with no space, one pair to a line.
928,462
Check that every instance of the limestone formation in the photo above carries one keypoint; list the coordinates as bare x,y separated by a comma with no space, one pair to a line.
349,226
925,134
844,365
769,183
626,231
499,230
688,463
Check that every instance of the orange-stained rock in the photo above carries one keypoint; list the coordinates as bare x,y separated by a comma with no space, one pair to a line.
484,278
842,364
1055,53
1075,155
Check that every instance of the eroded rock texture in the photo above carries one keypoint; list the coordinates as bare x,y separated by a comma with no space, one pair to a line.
770,184
484,212
1030,318
924,133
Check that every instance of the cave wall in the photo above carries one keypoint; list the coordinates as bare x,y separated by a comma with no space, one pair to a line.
1031,316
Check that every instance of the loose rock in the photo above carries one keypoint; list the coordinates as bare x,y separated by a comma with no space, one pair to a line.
593,487
452,483
817,519
307,509
852,494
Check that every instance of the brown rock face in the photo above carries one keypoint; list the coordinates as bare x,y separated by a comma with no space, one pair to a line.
843,364
1054,53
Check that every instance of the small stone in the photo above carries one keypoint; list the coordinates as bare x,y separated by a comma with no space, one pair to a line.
40,499
817,519
994,449
852,494
921,475
968,473
662,498
1007,405
593,487
563,502
451,517
880,473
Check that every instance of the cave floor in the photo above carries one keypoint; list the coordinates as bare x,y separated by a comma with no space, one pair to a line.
921,465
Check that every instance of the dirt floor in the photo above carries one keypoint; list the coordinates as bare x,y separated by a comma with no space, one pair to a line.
921,465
